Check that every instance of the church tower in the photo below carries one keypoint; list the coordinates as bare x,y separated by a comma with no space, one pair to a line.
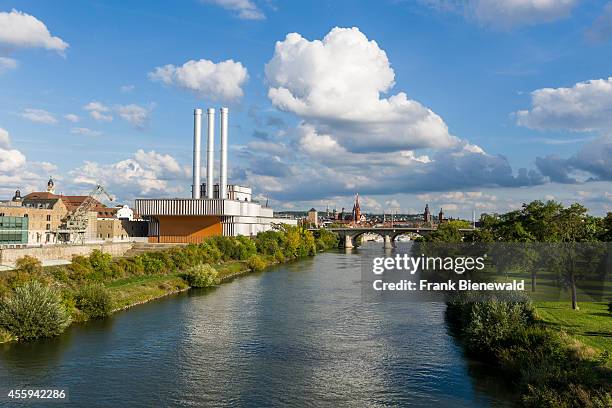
356,210
427,214
50,186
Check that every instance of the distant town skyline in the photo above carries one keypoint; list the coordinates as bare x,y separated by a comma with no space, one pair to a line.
466,105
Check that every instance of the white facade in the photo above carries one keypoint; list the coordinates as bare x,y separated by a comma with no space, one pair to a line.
125,213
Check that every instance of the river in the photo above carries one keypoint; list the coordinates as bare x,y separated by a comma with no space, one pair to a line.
297,334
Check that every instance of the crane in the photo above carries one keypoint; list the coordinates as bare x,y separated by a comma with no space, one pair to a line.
76,222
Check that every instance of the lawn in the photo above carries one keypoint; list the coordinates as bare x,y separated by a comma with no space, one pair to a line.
592,324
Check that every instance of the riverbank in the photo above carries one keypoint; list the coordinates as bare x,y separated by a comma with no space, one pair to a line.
98,285
529,346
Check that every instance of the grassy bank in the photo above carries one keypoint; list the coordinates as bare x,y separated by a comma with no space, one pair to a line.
41,302
591,324
531,349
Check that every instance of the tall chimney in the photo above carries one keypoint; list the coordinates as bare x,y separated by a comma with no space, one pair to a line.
210,154
223,160
197,134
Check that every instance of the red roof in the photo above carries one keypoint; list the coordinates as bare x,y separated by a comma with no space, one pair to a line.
73,202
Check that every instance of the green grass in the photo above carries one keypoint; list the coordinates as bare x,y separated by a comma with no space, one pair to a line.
139,289
592,324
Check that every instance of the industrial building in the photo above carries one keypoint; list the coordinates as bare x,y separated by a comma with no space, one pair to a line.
214,208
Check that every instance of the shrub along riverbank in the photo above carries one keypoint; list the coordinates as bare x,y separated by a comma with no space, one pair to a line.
40,302
548,368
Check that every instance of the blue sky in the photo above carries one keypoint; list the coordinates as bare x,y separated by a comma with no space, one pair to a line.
409,102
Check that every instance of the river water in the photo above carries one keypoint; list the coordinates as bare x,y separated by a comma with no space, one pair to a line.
297,334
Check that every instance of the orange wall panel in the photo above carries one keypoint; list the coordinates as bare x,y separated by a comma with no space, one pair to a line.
187,229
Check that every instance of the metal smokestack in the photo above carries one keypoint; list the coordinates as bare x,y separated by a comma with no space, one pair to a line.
197,134
210,154
223,159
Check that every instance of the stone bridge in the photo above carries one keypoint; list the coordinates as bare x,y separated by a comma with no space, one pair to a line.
389,234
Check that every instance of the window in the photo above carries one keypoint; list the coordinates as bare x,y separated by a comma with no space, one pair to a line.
48,227
48,217
25,215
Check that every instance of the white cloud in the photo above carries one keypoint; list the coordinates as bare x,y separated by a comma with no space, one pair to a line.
6,64
245,9
71,117
586,106
84,131
39,116
5,140
601,30
216,81
21,30
134,114
335,85
10,160
506,14
127,88
98,111
146,173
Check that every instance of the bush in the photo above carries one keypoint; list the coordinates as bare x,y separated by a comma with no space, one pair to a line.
201,276
28,264
245,248
325,239
80,268
94,301
34,311
60,273
268,242
152,264
100,263
492,323
279,256
256,263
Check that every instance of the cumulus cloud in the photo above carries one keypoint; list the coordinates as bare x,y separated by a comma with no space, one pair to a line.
98,111
71,117
6,64
354,134
10,160
21,30
134,114
244,9
216,81
335,85
601,30
39,116
506,14
146,173
586,106
593,162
